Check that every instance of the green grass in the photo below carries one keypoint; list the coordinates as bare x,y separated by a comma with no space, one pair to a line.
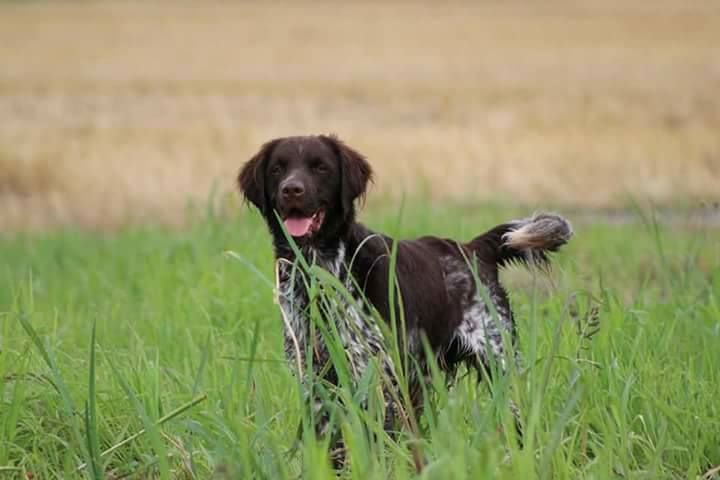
104,336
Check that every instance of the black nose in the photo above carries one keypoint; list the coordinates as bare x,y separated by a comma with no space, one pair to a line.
293,189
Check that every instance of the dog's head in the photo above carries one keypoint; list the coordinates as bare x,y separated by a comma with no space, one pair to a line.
312,183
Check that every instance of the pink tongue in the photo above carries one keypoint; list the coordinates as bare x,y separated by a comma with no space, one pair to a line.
297,227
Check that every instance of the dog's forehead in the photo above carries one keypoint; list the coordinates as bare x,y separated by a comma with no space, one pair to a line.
300,147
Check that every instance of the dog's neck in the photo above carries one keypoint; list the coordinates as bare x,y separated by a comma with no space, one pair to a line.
324,247
352,247
322,254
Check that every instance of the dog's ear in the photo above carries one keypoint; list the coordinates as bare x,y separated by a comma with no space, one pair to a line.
355,172
251,179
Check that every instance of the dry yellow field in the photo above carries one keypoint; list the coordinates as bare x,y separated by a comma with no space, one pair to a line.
120,112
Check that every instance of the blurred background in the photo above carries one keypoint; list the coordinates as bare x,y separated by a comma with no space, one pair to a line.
114,113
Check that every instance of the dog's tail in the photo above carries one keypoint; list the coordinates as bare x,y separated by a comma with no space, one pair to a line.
526,241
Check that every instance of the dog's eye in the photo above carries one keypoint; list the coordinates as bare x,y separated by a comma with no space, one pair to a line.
319,167
276,170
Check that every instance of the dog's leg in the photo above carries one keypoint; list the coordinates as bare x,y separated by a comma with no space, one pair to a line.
480,338
501,369
318,411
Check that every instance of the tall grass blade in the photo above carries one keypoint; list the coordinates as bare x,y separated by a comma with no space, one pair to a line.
66,400
169,416
91,430
152,428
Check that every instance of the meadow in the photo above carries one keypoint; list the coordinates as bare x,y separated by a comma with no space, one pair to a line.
133,345
174,318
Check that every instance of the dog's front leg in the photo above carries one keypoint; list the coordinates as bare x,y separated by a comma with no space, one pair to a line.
320,414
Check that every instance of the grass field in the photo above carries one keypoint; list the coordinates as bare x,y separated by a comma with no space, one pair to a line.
177,320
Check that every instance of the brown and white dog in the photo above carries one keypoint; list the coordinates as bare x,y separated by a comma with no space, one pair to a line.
309,185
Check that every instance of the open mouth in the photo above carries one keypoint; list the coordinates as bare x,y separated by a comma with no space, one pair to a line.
301,226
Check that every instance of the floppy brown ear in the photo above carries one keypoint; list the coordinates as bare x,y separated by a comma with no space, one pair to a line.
251,179
355,172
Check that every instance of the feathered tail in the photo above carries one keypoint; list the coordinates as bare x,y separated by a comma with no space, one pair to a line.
525,241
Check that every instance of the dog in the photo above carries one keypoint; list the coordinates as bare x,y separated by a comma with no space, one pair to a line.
449,294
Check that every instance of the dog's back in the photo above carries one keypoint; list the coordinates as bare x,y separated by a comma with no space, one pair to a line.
440,295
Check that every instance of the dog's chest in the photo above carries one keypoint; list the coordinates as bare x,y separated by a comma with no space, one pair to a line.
329,314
